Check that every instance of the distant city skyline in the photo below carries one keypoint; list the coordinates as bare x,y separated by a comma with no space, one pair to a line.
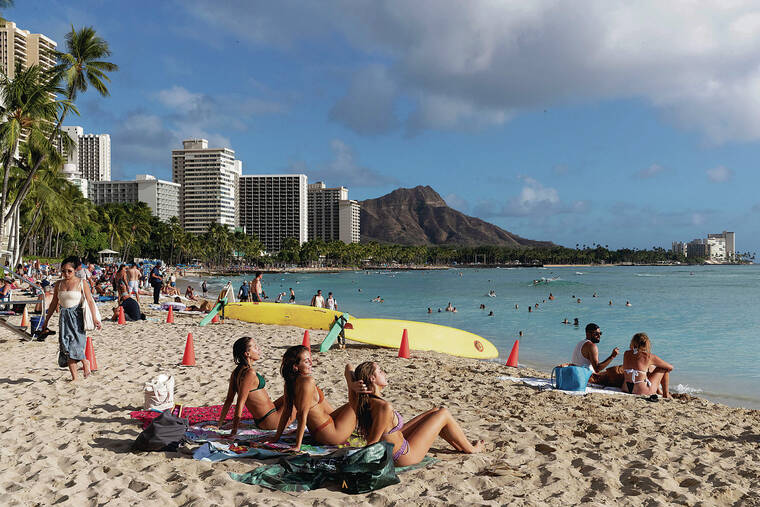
611,128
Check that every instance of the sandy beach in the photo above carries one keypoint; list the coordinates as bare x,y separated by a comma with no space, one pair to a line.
68,443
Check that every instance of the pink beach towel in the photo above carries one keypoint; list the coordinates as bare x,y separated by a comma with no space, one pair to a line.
193,414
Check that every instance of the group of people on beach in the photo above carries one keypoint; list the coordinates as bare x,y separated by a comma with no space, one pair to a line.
304,402
319,301
252,291
642,372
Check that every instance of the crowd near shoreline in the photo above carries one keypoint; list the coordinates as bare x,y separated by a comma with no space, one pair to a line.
541,447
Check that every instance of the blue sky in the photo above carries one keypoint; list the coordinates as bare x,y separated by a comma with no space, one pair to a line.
630,124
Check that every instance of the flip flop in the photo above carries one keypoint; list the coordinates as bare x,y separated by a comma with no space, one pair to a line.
653,398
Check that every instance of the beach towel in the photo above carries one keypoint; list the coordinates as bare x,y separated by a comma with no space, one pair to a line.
546,384
194,415
249,443
353,470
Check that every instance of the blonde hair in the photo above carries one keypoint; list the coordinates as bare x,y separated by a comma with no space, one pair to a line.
641,342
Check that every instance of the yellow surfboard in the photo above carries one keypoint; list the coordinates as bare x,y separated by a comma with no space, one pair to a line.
422,336
307,317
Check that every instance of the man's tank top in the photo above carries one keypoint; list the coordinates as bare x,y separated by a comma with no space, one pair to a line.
578,357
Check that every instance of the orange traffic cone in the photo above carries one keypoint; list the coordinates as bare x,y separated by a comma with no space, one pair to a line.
215,320
306,340
89,354
170,316
24,318
189,358
122,320
403,350
512,360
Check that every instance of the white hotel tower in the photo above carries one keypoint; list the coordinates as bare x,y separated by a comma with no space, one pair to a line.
90,154
209,179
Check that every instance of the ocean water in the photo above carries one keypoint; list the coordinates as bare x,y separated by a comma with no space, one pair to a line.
702,319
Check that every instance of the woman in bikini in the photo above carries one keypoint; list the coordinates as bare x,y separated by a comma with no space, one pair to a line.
326,425
644,372
411,441
249,385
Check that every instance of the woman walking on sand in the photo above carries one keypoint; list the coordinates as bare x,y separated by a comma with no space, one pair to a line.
71,293
411,441
249,385
326,425
644,372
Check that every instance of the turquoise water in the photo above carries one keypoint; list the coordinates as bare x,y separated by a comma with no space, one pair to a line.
701,319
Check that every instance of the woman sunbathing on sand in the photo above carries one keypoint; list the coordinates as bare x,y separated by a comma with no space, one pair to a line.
411,441
326,425
249,385
644,372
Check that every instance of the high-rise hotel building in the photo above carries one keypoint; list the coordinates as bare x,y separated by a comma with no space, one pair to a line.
90,154
273,207
162,197
332,216
209,179
21,46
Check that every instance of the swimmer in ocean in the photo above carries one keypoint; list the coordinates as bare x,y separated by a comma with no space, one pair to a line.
566,321
610,302
490,314
628,303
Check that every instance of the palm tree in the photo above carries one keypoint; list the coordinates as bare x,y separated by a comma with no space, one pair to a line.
82,66
26,113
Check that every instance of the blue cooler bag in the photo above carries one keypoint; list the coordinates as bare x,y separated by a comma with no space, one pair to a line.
571,378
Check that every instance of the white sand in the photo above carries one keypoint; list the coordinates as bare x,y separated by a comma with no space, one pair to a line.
64,442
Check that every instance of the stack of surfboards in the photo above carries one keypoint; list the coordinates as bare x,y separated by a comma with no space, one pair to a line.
381,332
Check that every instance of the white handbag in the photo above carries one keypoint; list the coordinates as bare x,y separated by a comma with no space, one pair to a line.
89,323
159,393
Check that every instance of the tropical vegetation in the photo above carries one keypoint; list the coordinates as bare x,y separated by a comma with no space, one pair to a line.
35,202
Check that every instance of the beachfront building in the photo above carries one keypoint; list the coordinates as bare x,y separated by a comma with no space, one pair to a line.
697,248
349,218
273,207
162,197
722,246
716,247
679,248
90,154
209,179
332,216
21,46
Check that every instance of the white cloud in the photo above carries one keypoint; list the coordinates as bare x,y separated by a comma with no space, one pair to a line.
534,200
650,172
719,174
479,62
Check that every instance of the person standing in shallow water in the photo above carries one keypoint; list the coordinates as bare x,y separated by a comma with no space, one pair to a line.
71,293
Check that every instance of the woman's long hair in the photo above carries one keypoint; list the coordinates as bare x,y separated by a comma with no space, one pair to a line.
238,353
640,342
291,358
364,373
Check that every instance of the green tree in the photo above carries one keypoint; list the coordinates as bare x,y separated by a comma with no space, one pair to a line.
81,66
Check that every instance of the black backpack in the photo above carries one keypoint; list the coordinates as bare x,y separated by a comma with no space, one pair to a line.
165,433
